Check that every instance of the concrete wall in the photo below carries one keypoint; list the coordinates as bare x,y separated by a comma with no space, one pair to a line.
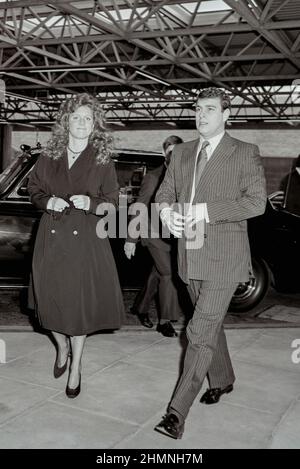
275,170
283,142
272,142
28,137
277,146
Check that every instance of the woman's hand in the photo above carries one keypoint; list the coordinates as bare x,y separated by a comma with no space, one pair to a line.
57,204
129,249
81,202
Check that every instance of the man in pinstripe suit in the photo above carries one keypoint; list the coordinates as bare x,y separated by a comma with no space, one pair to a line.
212,186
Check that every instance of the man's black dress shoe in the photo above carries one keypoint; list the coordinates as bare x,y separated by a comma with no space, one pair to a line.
145,320
58,371
142,317
212,396
170,426
166,329
70,392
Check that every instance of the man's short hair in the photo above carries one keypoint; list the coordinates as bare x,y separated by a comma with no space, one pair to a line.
216,93
171,140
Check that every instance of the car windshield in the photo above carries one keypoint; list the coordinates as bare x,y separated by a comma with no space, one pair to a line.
9,174
131,166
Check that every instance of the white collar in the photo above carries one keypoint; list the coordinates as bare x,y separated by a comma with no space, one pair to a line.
213,142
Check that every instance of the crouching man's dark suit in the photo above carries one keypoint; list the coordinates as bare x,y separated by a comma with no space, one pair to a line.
161,277
233,187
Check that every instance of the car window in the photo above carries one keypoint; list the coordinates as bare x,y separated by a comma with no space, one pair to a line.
10,173
18,166
20,192
131,167
292,193
130,176
277,199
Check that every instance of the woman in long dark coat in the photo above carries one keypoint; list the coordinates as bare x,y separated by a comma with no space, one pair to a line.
76,285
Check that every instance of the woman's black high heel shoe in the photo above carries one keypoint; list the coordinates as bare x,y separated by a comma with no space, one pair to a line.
70,392
58,371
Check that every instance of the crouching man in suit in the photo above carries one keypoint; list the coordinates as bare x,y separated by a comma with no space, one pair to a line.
161,278
214,183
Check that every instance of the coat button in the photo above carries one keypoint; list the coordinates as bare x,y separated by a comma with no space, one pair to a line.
53,231
75,232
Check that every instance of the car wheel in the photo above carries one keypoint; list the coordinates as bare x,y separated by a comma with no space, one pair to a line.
249,294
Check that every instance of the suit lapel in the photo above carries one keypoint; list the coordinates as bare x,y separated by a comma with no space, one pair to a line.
216,162
188,165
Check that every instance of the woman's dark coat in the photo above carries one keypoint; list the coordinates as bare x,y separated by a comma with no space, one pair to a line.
76,285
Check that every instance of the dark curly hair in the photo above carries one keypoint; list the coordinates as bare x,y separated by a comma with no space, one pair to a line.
99,139
215,93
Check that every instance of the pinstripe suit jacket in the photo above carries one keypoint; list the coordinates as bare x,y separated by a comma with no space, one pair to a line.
233,186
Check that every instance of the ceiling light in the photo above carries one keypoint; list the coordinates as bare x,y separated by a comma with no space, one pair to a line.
144,74
22,98
66,69
42,122
120,123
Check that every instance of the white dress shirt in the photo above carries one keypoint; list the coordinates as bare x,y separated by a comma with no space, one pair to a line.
213,143
201,208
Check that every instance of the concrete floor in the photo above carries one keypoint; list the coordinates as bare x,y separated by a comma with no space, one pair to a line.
127,380
13,311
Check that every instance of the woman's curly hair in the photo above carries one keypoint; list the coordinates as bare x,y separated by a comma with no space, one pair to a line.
99,139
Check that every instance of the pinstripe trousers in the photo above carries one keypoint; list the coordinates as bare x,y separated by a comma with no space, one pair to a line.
207,352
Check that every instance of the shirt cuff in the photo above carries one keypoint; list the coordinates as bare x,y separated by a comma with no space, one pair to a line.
201,212
206,217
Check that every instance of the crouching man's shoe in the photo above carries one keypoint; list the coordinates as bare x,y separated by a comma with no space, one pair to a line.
170,426
142,317
145,320
212,396
166,329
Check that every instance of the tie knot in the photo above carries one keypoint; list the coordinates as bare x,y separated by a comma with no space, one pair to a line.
204,145
202,155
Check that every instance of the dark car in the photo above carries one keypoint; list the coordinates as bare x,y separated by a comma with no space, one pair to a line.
275,248
19,218
274,236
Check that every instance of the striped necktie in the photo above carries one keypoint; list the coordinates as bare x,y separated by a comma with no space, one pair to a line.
201,162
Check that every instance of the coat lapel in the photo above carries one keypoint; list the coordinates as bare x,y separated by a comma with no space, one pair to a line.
188,165
216,162
60,183
78,173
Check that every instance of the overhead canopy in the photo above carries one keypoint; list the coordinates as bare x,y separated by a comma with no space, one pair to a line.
146,59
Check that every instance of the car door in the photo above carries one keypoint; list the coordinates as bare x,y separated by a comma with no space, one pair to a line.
18,225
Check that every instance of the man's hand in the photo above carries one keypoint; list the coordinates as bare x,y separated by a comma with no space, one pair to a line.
57,204
81,202
174,221
129,249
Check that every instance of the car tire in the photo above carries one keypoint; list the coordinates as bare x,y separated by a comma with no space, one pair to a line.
250,294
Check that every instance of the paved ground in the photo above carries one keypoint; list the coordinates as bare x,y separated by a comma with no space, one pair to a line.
127,380
13,314
128,377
